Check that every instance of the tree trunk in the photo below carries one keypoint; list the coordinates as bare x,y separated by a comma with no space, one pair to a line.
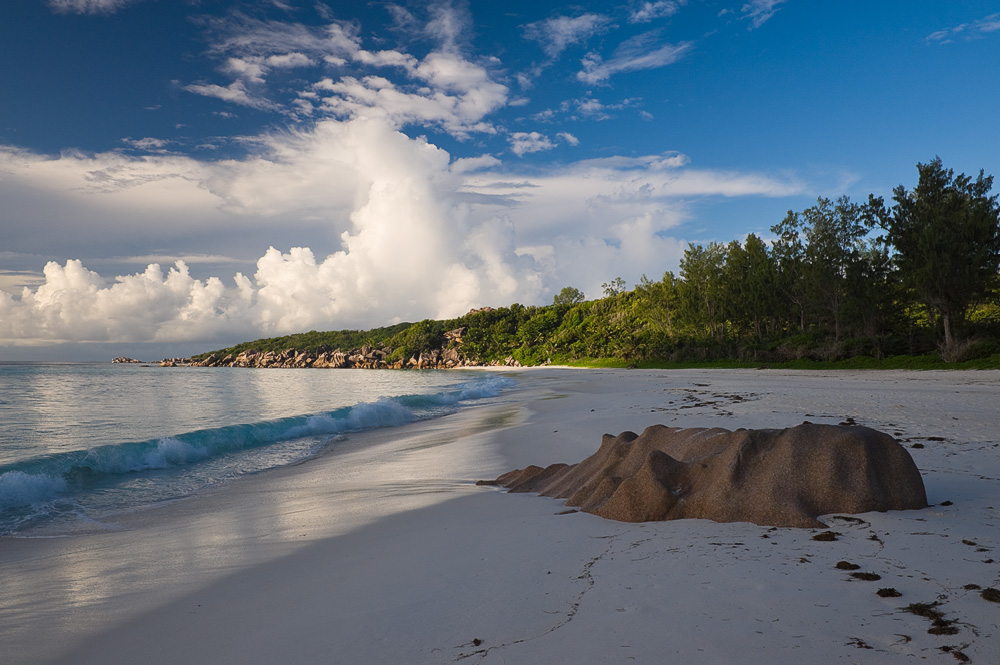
949,339
802,315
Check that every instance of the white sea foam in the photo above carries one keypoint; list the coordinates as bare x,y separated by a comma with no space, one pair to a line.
486,387
18,488
382,413
170,452
317,425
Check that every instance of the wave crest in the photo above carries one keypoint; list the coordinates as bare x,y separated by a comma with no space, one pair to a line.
18,488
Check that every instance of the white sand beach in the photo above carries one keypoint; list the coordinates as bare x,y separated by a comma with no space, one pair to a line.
385,551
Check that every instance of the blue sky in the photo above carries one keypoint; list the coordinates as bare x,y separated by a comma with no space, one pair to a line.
175,174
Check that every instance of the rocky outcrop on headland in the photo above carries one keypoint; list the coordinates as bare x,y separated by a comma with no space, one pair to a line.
365,357
783,477
448,356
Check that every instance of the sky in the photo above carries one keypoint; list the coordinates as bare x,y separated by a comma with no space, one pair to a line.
181,175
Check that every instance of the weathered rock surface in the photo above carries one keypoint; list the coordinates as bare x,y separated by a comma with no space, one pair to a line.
783,477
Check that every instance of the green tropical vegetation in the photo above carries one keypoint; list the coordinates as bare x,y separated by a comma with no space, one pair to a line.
914,283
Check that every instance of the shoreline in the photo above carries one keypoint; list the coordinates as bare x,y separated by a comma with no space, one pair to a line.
405,560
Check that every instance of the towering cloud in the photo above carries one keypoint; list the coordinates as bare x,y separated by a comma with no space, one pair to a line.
410,251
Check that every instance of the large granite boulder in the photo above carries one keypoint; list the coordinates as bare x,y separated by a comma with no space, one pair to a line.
769,477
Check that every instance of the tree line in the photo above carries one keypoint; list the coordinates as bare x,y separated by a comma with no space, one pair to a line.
917,275
866,278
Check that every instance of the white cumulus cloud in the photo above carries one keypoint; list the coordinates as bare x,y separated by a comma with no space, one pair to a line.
522,143
76,304
409,249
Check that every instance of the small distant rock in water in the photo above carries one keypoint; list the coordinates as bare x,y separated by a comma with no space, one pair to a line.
769,477
123,360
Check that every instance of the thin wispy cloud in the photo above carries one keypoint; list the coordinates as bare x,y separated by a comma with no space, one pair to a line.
188,259
568,138
235,93
620,164
242,36
450,25
149,145
636,54
249,50
556,34
88,6
587,108
976,29
254,69
591,108
760,12
17,280
645,12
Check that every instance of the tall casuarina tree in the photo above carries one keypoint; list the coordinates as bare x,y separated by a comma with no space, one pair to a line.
946,236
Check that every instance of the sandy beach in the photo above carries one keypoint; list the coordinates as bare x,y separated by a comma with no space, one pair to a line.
385,550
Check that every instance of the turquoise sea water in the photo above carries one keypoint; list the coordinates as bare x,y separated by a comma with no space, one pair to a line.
79,442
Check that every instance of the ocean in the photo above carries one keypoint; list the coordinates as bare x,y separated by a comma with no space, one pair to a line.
80,442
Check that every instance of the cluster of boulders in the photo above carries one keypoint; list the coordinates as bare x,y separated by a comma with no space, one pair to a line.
166,362
507,362
176,362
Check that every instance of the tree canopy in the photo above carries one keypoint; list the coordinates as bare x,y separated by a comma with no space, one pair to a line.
568,296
